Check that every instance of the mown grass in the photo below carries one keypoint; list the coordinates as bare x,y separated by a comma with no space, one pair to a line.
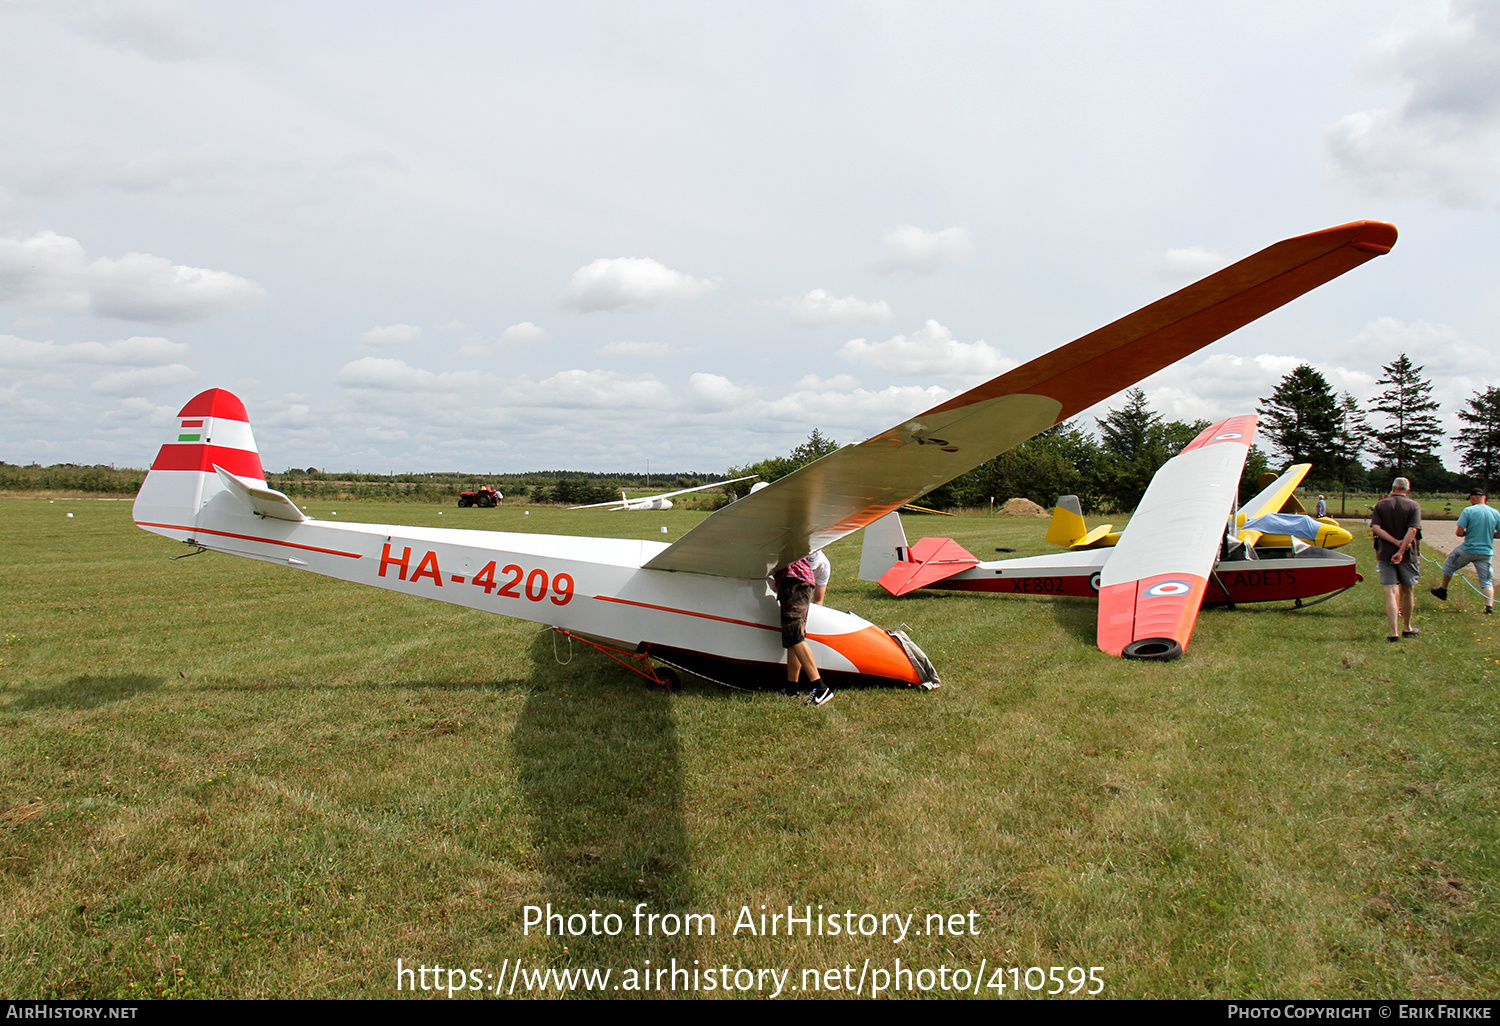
220,778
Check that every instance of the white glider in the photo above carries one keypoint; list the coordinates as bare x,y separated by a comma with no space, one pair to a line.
660,501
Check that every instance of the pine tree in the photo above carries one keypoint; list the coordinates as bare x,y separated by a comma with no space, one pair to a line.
1299,417
816,447
1135,442
1479,440
1351,437
1411,433
1126,432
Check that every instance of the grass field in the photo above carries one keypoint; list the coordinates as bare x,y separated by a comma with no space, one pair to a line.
220,778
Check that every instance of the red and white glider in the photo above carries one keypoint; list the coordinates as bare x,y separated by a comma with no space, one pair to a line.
702,601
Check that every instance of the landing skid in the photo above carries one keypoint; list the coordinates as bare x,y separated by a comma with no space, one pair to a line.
637,662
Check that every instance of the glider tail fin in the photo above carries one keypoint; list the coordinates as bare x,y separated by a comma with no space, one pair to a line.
208,468
1067,522
1069,530
884,546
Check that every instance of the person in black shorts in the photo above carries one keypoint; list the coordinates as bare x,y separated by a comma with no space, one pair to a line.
794,592
1396,522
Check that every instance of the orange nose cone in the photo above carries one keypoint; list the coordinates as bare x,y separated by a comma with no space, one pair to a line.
874,653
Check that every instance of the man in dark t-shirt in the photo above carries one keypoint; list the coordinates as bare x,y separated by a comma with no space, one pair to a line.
1397,523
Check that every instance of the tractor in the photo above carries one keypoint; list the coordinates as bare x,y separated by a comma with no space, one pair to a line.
487,497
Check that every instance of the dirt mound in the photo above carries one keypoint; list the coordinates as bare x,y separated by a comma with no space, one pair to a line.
1023,508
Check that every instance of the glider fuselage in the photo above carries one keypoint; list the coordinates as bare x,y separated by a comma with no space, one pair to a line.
1307,574
595,587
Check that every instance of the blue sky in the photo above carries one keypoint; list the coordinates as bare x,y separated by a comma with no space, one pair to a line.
503,237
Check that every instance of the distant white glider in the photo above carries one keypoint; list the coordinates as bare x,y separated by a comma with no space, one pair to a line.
661,501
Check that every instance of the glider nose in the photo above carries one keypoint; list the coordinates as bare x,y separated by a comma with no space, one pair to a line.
1332,536
889,655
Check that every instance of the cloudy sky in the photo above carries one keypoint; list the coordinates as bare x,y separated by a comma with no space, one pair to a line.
505,237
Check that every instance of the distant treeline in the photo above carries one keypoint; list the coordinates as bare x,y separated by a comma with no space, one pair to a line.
568,487
99,479
564,487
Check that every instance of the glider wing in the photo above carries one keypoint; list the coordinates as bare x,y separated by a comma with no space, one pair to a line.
856,485
1152,586
625,503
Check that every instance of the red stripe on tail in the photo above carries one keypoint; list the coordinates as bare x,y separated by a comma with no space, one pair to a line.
239,462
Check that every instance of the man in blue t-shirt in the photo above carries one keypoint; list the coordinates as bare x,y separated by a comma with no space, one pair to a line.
1477,526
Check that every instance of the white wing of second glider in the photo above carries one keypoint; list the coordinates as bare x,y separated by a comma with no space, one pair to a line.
858,484
625,503
1152,586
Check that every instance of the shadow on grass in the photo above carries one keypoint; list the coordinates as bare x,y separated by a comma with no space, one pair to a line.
1079,617
599,763
84,693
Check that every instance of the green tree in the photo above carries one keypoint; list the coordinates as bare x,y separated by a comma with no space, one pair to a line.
1479,438
1351,437
1411,434
1134,443
1059,461
1126,432
816,447
1299,416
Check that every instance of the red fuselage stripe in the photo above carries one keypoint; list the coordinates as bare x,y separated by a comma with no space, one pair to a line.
687,612
250,537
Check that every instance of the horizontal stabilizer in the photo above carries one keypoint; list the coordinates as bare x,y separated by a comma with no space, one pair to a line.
932,560
267,502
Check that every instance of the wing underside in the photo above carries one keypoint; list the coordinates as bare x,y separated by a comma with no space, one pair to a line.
858,484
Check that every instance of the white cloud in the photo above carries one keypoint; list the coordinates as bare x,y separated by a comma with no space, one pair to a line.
569,389
1444,140
51,272
820,307
523,334
162,30
909,248
143,379
1187,264
1224,385
513,337
392,335
1438,347
630,283
716,392
135,351
378,373
858,413
931,352
837,383
637,350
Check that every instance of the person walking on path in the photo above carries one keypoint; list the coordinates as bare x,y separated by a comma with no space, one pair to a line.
1477,526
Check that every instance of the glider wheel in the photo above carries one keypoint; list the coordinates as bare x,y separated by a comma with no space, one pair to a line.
1153,648
667,678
